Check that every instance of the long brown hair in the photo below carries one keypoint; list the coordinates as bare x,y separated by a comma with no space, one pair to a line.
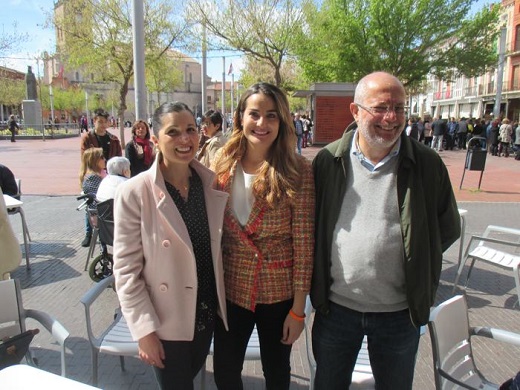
89,161
278,176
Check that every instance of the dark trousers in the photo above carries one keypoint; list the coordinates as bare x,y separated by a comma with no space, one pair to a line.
450,142
392,346
230,347
13,132
461,140
184,359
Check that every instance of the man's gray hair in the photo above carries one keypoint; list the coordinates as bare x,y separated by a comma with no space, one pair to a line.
118,165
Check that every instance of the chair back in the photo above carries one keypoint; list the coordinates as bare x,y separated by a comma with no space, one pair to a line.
452,354
19,186
105,221
10,301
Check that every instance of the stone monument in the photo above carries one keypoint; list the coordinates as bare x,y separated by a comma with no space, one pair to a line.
32,109
30,82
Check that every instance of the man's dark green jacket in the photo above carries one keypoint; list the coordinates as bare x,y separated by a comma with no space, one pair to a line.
430,220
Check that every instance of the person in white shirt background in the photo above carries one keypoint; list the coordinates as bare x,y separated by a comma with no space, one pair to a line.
118,169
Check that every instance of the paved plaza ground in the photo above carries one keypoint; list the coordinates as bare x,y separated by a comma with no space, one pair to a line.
56,282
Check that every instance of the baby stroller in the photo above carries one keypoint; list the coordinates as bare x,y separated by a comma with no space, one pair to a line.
101,266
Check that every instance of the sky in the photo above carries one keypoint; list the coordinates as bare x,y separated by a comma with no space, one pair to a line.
30,17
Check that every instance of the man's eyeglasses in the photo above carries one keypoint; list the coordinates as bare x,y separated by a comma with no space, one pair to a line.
382,110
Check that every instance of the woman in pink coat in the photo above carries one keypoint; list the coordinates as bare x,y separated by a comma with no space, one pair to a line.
167,257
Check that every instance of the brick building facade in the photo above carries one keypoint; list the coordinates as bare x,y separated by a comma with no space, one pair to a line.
329,107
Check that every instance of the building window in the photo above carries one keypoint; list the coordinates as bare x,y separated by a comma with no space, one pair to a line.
516,77
517,38
209,99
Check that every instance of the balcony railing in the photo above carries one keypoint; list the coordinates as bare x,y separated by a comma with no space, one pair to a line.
477,90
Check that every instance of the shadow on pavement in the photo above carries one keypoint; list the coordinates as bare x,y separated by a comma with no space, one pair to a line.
44,272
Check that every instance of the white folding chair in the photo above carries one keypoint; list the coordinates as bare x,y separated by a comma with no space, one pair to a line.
13,316
453,361
116,339
494,251
25,229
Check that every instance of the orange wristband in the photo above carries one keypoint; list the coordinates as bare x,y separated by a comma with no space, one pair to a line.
296,316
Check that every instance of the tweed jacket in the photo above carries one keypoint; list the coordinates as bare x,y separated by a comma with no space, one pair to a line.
271,257
89,140
154,262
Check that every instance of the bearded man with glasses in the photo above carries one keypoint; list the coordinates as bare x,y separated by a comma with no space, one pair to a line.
385,213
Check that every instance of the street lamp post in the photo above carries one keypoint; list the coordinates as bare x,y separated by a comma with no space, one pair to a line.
224,123
52,106
86,107
500,72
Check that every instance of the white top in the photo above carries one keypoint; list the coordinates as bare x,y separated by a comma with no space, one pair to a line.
242,198
107,188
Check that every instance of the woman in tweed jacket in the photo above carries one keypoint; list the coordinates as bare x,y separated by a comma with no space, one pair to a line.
268,237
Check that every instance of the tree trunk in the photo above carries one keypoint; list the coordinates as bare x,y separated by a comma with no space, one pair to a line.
277,76
121,111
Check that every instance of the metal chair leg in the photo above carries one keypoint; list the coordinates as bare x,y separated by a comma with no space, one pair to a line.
92,247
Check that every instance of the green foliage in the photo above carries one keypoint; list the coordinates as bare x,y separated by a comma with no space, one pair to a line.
261,29
257,70
13,91
98,39
346,39
157,68
70,99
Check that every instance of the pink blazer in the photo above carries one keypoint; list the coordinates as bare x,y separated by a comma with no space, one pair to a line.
154,263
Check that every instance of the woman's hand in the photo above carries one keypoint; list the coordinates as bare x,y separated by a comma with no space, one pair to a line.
292,329
151,350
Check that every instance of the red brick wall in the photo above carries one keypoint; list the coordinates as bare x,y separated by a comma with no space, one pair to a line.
332,116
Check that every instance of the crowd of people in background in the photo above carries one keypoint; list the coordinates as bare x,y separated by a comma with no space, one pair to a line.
501,136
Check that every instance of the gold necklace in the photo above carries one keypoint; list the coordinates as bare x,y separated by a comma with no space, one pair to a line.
182,186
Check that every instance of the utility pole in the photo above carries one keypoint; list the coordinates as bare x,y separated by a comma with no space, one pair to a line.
231,90
500,71
138,45
86,107
224,122
40,91
204,69
51,96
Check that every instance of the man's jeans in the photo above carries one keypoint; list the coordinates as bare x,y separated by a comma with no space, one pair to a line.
437,142
392,346
299,143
